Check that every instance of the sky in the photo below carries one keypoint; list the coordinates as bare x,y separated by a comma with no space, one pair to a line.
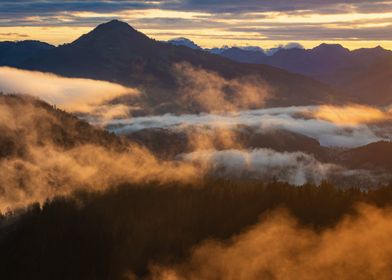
210,23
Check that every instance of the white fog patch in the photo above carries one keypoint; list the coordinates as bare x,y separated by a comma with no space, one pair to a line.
293,119
71,94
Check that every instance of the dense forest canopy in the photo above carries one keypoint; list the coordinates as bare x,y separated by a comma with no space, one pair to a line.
129,228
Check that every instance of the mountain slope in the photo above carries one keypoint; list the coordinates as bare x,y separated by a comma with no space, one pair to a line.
372,156
373,84
116,52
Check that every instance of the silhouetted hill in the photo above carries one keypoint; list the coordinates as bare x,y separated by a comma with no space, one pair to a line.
116,52
14,53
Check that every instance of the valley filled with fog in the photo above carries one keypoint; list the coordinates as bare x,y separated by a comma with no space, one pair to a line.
229,139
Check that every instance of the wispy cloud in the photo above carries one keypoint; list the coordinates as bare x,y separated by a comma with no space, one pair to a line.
246,21
329,132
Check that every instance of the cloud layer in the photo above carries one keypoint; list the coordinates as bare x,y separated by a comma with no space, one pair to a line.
70,94
294,119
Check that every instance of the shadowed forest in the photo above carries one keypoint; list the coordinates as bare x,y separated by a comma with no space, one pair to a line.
126,230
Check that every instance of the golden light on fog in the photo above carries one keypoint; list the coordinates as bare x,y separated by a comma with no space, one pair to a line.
351,114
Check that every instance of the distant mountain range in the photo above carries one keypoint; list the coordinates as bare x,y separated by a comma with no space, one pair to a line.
363,74
116,52
181,41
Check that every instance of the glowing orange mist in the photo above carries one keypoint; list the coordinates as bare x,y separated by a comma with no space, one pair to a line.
351,114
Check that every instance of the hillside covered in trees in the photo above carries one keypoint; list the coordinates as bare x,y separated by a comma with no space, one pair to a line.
124,231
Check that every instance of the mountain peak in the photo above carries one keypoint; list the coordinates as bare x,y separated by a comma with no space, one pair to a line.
329,47
112,32
181,41
115,24
115,27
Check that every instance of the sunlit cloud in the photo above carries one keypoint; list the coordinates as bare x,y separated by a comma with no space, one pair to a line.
71,94
351,114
